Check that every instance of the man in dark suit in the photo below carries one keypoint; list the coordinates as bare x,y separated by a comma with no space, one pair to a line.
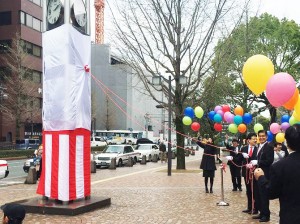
234,162
265,158
284,179
247,154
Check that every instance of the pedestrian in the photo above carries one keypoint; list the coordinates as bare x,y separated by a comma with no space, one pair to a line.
208,164
13,213
162,150
235,163
278,153
248,153
284,179
265,158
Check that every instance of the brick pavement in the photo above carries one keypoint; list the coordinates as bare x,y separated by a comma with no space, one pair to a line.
145,194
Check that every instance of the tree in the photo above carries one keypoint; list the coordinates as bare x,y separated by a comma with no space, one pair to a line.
278,39
21,103
172,36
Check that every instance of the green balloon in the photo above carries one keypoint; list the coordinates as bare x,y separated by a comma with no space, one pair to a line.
186,120
233,128
293,120
199,112
258,127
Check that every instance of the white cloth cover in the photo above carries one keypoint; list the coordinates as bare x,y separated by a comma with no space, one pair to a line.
66,86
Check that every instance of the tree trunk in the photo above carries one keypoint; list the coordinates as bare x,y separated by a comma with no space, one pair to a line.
180,143
273,114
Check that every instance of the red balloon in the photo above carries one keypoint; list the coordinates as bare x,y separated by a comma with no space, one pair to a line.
195,126
218,127
225,108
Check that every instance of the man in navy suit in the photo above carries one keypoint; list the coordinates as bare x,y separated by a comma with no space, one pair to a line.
265,158
247,154
284,179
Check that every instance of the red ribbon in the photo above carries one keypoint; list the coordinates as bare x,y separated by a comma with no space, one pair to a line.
86,68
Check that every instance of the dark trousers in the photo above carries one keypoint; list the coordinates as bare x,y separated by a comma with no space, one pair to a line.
264,201
235,176
248,193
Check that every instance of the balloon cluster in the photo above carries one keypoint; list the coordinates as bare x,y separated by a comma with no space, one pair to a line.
190,114
281,90
237,120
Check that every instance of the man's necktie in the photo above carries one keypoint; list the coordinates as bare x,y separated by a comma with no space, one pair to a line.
250,153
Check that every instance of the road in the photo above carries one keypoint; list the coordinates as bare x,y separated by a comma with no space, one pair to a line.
15,170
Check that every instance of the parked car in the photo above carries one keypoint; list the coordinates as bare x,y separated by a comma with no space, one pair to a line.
27,144
120,152
144,141
97,141
3,169
149,150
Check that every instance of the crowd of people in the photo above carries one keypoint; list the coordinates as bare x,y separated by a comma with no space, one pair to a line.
270,170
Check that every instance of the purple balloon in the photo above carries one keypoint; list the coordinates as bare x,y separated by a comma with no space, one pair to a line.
230,118
217,108
285,126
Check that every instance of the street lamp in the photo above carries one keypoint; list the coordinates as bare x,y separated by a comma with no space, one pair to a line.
157,80
2,96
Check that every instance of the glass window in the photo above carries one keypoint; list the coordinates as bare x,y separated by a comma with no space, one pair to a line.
37,77
28,20
36,24
4,46
5,18
29,49
36,51
38,2
22,17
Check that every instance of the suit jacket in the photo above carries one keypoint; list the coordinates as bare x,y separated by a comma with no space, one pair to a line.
265,158
244,161
284,183
237,159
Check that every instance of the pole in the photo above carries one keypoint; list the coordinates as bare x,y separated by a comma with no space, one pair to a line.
222,202
169,131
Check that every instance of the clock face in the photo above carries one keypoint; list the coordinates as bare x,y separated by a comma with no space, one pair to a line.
53,11
79,12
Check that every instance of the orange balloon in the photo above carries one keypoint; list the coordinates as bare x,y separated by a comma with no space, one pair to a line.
239,111
242,128
292,102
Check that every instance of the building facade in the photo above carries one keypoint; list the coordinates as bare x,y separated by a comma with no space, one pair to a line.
21,22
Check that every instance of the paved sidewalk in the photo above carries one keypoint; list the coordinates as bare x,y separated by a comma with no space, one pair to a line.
145,194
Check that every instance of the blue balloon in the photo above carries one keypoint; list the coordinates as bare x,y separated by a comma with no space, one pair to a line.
270,136
247,118
238,119
217,118
189,111
211,115
285,118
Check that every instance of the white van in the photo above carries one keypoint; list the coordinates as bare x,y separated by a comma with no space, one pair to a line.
3,169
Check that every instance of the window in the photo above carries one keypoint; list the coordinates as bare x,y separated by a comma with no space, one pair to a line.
36,51
4,46
37,77
36,24
22,17
28,20
37,2
30,48
5,18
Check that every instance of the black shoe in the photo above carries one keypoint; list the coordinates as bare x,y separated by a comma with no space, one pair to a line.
206,191
255,212
257,217
247,211
240,189
234,189
264,219
211,191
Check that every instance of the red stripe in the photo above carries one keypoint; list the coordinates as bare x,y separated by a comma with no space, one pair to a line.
72,163
87,162
41,186
3,164
55,163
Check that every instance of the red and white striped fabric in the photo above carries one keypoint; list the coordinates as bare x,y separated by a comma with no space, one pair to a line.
66,165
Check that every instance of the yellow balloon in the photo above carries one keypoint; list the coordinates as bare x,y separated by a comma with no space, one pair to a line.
296,112
257,71
280,137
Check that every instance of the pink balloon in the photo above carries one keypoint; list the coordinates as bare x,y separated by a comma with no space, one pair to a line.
274,128
280,88
227,116
230,118
285,125
217,108
221,113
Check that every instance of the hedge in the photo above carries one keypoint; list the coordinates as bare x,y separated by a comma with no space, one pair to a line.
29,152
